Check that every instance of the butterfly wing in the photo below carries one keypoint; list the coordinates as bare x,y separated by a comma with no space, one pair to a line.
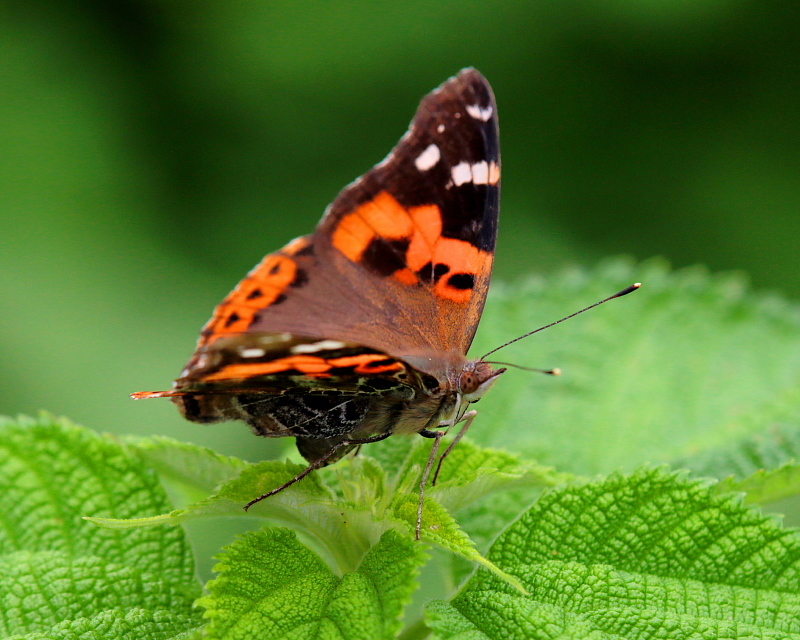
422,224
401,261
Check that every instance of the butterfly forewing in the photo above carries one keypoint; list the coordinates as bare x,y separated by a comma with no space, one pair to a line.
410,244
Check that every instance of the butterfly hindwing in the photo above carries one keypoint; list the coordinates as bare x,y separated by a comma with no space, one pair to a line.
283,385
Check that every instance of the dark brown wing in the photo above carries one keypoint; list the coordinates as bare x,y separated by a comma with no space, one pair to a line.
402,259
423,223
400,263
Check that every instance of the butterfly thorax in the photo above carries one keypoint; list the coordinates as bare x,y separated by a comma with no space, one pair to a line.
436,402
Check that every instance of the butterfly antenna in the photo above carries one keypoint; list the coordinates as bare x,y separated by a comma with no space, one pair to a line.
555,371
624,292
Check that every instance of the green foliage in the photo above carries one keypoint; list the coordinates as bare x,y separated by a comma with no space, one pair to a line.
345,516
186,470
510,548
155,151
64,577
288,591
649,555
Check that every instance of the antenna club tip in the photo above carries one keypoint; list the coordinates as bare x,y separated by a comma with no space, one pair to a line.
628,290
555,371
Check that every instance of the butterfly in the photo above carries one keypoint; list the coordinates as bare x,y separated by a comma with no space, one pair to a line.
360,330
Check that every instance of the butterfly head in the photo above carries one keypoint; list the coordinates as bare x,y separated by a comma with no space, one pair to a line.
476,378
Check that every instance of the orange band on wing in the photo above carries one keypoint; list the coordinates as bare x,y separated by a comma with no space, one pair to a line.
362,363
385,218
143,395
313,366
262,287
304,364
406,276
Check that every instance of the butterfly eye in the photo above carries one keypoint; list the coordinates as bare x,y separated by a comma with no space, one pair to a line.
468,382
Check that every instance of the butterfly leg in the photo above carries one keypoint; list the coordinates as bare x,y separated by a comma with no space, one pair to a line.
467,418
320,462
437,435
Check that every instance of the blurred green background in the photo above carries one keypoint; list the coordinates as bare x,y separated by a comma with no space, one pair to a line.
152,152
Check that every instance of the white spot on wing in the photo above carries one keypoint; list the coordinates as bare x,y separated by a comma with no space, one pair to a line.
428,158
254,352
480,113
480,173
440,128
461,173
322,345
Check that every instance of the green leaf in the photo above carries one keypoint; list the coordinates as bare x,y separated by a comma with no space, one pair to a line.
483,520
483,489
43,588
469,473
272,586
762,465
335,527
440,529
470,481
63,576
230,497
55,472
680,367
343,519
765,487
650,555
121,624
392,453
